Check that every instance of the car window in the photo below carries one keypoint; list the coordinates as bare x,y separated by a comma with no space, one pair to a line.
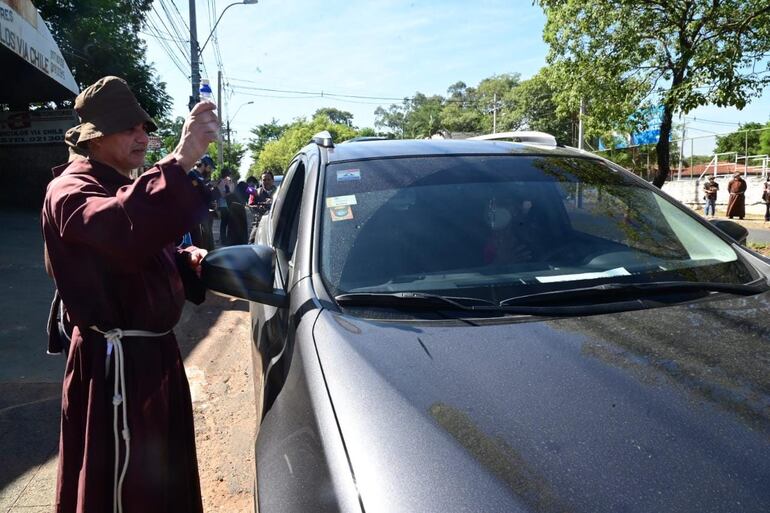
288,215
497,226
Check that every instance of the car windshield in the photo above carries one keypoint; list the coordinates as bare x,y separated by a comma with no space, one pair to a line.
496,227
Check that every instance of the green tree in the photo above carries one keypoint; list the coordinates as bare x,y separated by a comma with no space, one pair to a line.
98,38
169,131
393,118
424,116
367,132
232,156
495,102
263,134
764,141
276,154
534,104
460,113
680,54
737,141
340,117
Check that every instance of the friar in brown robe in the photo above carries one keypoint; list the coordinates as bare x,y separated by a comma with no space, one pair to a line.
127,444
736,205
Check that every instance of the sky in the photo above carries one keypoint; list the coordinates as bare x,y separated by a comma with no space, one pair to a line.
384,49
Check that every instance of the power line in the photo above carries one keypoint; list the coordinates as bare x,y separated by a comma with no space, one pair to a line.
712,121
184,22
179,28
173,31
162,37
351,97
172,55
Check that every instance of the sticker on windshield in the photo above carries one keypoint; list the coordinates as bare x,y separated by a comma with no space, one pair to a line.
618,271
341,201
348,175
341,213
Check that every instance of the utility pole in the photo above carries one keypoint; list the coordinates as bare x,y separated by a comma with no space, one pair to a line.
194,63
220,153
746,159
681,147
494,114
580,124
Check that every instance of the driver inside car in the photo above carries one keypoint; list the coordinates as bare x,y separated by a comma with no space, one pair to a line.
509,240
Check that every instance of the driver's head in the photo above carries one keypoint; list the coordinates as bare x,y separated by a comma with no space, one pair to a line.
502,210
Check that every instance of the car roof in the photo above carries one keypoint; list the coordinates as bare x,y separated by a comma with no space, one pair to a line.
439,147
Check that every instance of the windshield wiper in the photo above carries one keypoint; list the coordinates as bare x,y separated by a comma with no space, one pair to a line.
413,300
624,290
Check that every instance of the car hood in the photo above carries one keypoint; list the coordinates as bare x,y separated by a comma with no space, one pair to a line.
665,409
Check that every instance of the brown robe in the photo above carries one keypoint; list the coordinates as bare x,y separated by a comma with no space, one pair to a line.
110,244
736,206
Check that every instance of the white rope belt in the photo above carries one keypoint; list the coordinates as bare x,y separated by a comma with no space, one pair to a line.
113,338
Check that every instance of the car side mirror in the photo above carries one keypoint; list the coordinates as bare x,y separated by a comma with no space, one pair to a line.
245,272
733,229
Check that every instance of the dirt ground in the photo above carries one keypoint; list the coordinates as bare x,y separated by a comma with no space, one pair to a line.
214,338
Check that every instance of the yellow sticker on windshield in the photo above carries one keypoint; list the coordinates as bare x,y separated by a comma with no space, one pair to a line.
341,201
341,213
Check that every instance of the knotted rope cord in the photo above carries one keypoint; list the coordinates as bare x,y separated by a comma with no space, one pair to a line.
119,399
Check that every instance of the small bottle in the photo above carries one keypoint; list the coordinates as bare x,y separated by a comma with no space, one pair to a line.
205,91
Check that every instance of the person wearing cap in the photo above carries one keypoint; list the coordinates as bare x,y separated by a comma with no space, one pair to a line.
127,438
736,205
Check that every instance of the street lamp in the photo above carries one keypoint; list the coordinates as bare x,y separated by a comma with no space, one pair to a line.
244,2
233,119
196,51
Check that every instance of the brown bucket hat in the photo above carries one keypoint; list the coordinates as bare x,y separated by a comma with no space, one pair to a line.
108,106
71,138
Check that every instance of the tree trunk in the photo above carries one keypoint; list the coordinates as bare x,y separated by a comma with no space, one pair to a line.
662,149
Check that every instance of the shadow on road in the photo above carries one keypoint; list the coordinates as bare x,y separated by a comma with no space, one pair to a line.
30,380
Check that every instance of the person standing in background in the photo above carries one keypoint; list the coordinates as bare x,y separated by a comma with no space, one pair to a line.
711,188
261,201
736,206
225,186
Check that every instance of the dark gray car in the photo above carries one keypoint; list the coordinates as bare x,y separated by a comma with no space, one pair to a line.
489,326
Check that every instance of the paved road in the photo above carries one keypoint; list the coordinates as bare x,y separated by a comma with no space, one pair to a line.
759,235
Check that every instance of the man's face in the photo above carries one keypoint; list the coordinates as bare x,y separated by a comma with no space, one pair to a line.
123,150
267,181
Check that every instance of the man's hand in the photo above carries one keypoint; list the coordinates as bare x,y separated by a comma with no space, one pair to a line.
196,256
200,128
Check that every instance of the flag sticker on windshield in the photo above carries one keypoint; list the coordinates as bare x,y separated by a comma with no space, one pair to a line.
348,175
341,201
341,213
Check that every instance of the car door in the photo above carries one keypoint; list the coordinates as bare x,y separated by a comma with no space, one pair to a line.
271,325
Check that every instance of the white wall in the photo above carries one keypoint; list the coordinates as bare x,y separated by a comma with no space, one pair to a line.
690,192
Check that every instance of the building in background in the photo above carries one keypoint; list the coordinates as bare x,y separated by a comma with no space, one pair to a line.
34,74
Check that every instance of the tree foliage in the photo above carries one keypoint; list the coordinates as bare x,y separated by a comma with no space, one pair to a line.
232,157
499,103
680,54
276,154
263,134
169,131
746,135
340,117
99,38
